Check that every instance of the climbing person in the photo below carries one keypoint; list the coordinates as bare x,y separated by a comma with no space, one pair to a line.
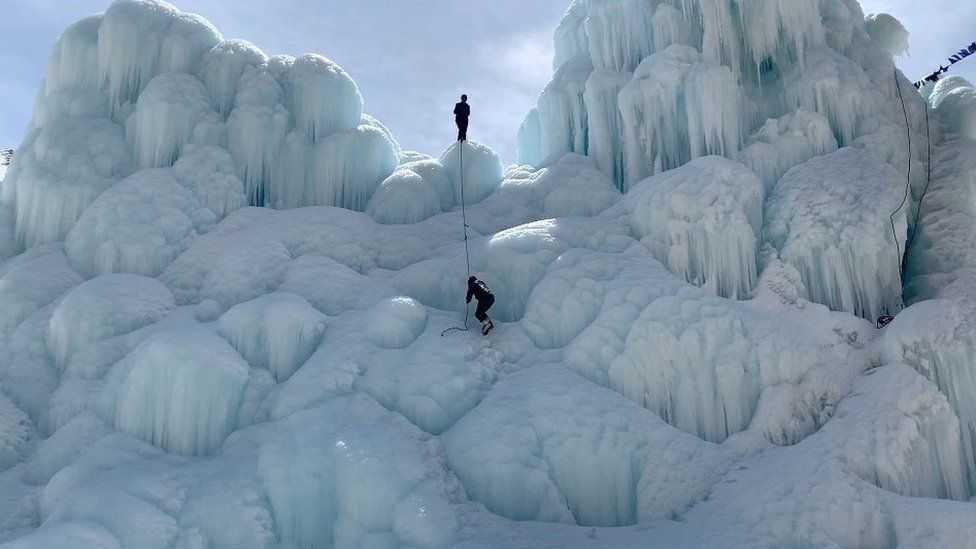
461,113
485,298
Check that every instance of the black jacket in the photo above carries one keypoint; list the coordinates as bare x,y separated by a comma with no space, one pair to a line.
479,290
462,111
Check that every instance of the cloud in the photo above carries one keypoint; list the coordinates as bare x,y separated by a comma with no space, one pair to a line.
525,59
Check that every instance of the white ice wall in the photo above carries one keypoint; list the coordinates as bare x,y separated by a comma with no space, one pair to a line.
648,105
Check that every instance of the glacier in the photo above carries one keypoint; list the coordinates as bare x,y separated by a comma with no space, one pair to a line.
226,295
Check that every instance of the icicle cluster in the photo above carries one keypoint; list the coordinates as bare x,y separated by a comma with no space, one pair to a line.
644,87
648,86
136,87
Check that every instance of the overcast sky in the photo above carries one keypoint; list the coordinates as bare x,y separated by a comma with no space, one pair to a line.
412,58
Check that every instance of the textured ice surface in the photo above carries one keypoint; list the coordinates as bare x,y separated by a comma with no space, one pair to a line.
648,86
404,197
477,165
15,427
33,284
954,101
137,228
61,168
888,32
421,188
277,331
397,322
343,169
677,107
311,77
224,291
829,218
182,391
104,307
349,473
548,445
703,221
177,102
782,143
223,66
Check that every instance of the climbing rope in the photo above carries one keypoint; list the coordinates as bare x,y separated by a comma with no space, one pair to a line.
928,179
908,183
464,218
467,255
903,255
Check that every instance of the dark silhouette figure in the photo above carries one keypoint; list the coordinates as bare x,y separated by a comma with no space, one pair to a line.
486,299
461,113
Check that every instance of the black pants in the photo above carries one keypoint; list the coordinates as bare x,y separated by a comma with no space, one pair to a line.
481,313
462,124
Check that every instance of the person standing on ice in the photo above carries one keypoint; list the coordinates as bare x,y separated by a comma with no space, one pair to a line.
461,113
485,298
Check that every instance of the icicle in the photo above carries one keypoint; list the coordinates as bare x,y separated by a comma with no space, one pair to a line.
856,269
256,131
570,36
221,68
604,121
528,147
139,39
322,96
166,114
677,108
702,221
61,169
619,34
183,391
562,114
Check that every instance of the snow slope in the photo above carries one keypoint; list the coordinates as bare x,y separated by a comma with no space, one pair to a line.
223,292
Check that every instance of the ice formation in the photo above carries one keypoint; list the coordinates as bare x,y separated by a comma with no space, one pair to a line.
277,331
14,431
397,322
405,197
182,391
481,170
954,100
647,86
104,307
887,32
703,221
855,269
224,291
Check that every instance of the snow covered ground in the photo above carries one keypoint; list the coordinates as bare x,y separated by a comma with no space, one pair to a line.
224,287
